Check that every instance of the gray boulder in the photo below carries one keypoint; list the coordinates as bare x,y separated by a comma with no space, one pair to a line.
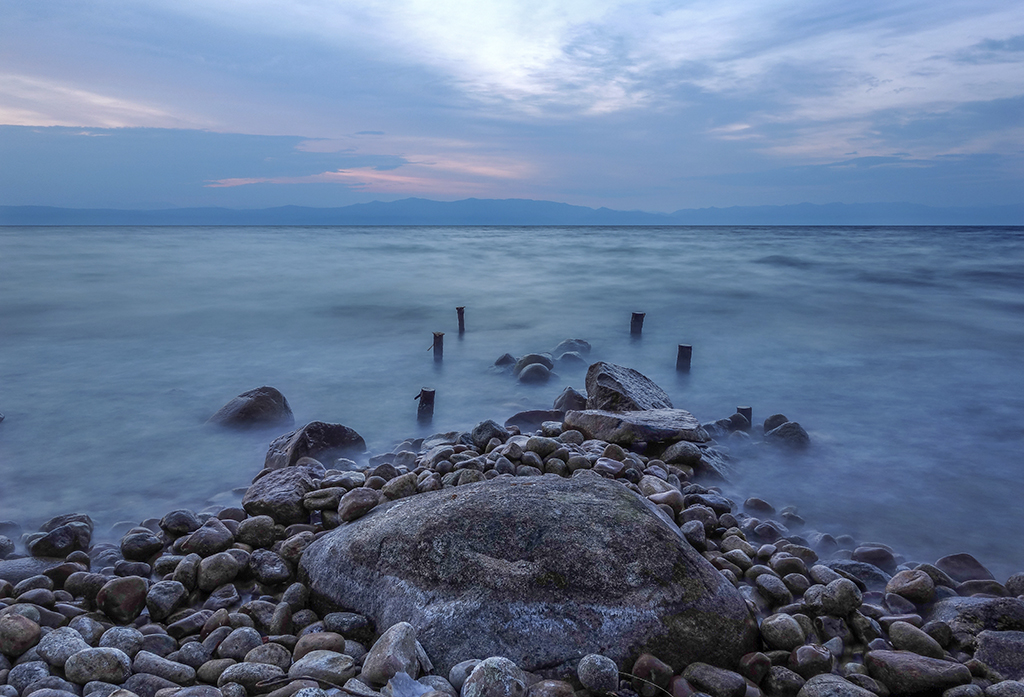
626,428
790,434
570,400
279,494
580,346
264,407
319,440
906,673
613,387
1003,651
532,359
532,571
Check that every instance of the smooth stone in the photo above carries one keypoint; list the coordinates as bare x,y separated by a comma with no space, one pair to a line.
497,676
106,664
782,632
59,645
613,387
212,537
248,675
907,673
873,578
17,634
829,685
535,374
539,604
791,434
318,440
357,503
263,407
126,639
907,637
238,643
963,567
598,673
178,673
714,681
331,666
915,585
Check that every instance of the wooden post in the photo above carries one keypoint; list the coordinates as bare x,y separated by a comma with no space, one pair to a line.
462,319
438,347
425,409
636,323
747,412
683,358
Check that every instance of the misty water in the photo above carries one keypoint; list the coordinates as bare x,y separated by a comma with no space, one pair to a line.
900,350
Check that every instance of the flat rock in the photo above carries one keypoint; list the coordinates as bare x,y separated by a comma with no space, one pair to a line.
1003,651
972,615
533,571
319,440
17,570
613,387
648,426
263,407
907,673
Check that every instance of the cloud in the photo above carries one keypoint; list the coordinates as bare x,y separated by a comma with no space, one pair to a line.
31,101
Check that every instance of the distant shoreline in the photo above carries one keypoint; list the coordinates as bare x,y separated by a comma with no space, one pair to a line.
520,212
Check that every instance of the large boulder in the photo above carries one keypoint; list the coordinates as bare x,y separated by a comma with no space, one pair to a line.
318,440
542,572
614,388
626,428
263,407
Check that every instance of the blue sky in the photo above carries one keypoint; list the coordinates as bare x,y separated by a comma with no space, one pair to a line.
650,105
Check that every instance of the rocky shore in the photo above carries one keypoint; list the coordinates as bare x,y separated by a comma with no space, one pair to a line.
582,550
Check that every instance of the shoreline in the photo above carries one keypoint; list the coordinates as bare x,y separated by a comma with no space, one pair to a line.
824,605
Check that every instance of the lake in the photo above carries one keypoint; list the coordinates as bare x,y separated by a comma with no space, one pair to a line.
900,350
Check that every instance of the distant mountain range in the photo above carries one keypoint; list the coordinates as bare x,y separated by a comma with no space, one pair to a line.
418,211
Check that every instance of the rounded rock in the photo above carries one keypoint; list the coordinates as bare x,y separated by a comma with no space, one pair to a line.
106,664
496,676
17,634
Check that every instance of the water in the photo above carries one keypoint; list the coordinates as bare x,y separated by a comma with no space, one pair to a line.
901,350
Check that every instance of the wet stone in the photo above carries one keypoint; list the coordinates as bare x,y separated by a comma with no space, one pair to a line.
106,664
598,673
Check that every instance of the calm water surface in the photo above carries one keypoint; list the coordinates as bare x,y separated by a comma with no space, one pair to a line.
901,350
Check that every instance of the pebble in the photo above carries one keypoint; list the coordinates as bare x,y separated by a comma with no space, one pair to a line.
496,676
394,651
106,664
597,673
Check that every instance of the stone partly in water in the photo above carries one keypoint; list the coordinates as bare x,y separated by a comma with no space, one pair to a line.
612,387
532,570
625,428
318,440
264,407
535,374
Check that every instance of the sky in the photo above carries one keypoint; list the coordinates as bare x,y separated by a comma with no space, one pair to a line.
652,105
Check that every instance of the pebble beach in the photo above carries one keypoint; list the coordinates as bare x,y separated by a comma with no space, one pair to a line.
269,597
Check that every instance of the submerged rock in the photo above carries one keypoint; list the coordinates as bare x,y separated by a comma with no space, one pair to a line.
318,440
626,428
533,571
263,407
613,387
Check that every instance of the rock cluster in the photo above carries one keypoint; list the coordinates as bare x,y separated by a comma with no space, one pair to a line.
230,602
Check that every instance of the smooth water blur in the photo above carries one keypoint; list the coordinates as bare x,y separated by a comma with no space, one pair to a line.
901,350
